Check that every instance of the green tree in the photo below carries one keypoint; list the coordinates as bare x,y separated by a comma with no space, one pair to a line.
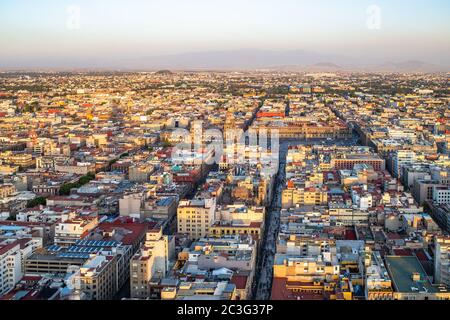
66,187
36,201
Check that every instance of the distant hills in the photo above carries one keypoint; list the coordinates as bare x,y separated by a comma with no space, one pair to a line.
395,67
237,60
292,60
229,60
411,66
316,67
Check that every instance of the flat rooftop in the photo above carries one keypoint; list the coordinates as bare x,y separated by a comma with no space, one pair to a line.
402,268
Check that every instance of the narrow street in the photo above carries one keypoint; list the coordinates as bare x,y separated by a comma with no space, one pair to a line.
264,271
263,278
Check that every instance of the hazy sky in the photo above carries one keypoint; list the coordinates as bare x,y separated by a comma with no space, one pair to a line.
47,32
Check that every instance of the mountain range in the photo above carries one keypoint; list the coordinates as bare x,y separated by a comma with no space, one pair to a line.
293,60
234,60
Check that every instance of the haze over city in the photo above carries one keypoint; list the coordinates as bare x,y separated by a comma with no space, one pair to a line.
394,35
203,159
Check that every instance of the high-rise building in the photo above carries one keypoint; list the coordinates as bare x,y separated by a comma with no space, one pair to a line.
441,195
97,278
423,190
149,263
10,266
400,158
442,261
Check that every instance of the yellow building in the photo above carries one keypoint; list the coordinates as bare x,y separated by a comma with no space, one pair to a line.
223,228
304,269
195,217
19,159
6,190
316,178
292,197
308,278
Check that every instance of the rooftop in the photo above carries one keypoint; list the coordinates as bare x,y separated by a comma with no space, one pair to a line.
408,275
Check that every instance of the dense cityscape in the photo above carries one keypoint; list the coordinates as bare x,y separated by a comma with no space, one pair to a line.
196,185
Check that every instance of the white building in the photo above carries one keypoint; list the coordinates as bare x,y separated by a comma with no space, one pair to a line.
150,262
400,158
441,195
442,261
130,205
362,201
71,230
11,258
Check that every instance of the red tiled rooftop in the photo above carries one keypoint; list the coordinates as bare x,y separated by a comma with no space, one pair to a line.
137,230
280,292
5,248
24,224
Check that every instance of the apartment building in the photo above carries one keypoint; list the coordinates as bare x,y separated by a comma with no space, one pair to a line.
71,230
442,260
441,195
401,158
10,266
140,173
97,278
151,262
240,212
347,215
423,190
23,160
292,197
308,278
80,168
195,217
6,190
347,162
230,257
441,215
412,172
130,205
378,284
200,290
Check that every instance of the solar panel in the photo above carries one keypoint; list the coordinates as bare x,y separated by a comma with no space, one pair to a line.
54,248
